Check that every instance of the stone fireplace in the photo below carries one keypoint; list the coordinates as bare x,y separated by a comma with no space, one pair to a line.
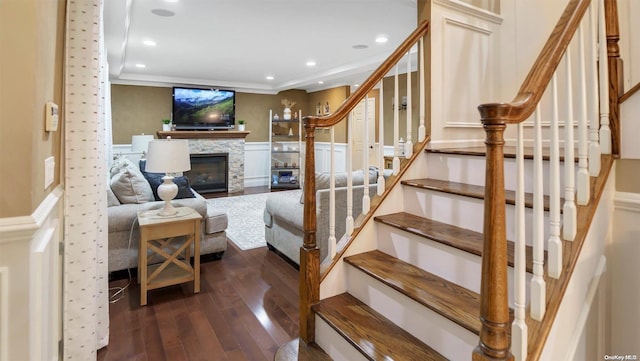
209,172
228,142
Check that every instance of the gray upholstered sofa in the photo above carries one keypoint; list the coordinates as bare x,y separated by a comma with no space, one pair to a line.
122,214
283,213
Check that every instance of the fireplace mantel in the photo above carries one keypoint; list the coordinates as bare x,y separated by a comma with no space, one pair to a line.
203,134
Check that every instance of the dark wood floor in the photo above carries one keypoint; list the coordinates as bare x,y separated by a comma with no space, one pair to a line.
247,308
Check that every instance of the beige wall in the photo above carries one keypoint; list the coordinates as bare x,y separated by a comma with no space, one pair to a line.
335,97
628,175
140,109
31,68
389,84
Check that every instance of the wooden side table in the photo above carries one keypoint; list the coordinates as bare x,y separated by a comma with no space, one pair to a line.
158,236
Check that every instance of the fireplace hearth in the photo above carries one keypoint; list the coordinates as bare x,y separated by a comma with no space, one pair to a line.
209,172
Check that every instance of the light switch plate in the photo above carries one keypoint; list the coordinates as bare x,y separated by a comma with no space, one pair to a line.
51,117
49,170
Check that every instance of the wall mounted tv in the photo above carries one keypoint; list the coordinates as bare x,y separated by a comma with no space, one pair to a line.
203,109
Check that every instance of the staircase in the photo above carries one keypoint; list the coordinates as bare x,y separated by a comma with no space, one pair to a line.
419,289
477,252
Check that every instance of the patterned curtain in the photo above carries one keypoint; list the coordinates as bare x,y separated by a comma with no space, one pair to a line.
86,310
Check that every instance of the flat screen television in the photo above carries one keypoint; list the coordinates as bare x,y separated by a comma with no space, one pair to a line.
203,109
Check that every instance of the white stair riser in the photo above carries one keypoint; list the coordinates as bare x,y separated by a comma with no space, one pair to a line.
452,264
461,211
446,337
471,170
334,345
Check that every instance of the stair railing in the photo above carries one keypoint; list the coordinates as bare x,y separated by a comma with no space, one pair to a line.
310,268
593,136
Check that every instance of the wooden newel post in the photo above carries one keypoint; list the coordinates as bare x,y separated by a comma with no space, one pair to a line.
494,304
616,75
309,252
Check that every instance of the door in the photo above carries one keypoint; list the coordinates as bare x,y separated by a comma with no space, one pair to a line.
359,131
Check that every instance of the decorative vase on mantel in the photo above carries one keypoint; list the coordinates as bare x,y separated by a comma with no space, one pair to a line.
287,108
166,127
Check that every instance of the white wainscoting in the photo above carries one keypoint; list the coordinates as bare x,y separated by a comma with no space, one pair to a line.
257,163
467,69
30,282
625,283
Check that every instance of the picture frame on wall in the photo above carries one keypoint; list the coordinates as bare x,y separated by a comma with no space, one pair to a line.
318,109
326,109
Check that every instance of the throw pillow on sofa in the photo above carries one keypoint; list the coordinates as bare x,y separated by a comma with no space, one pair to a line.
130,186
155,179
323,180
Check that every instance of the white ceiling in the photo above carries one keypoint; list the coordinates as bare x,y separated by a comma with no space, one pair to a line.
238,43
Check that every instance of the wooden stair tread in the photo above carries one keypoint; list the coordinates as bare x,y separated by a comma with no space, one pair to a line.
471,190
370,333
509,152
450,300
463,239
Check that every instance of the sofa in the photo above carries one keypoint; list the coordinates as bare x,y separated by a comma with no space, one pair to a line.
130,191
283,213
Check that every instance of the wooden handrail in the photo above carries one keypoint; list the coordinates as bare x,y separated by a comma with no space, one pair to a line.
545,65
350,103
309,287
495,339
629,93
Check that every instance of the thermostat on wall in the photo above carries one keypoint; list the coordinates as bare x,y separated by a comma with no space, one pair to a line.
51,117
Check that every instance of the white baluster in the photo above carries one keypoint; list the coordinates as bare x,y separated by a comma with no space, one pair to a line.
331,242
594,122
366,200
422,130
538,286
554,263
519,328
582,178
349,219
381,181
408,145
605,131
569,210
396,124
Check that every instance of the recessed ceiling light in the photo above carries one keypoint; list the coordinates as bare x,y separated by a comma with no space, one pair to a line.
163,12
140,66
381,39
269,77
311,63
149,43
360,46
356,85
320,82
171,1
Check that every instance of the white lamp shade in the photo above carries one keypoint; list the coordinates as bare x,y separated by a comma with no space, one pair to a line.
168,156
140,143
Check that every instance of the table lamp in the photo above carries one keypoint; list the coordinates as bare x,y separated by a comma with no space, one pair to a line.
169,156
140,143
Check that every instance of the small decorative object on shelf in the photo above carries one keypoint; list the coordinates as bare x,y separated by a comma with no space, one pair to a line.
241,125
166,124
291,132
276,117
288,106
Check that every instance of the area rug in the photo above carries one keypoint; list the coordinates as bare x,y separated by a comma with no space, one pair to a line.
245,213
